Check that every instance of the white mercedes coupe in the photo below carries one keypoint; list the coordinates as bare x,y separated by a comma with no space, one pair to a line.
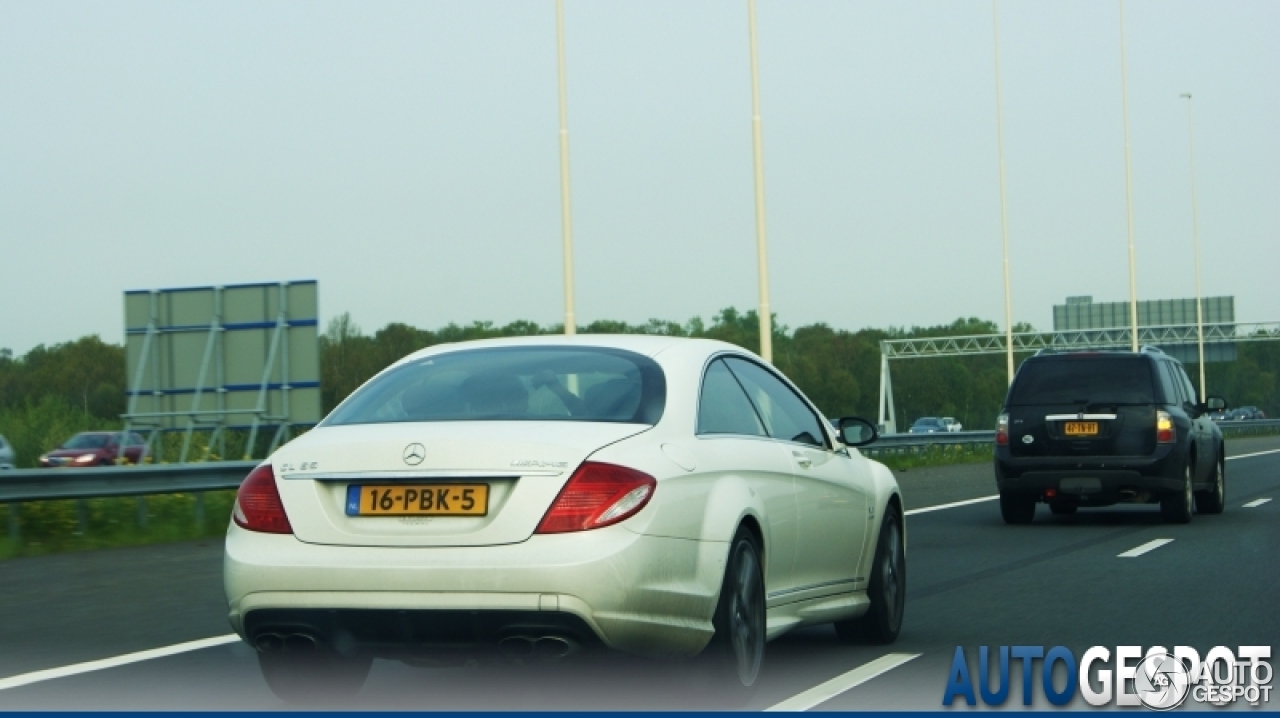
538,496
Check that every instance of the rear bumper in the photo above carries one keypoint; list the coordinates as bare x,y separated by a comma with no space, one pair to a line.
1105,479
646,595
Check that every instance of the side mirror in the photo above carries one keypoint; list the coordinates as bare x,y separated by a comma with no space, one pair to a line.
856,431
1215,403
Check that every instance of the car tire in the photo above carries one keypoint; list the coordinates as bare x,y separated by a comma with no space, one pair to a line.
1176,507
887,590
1062,508
1017,508
1214,500
313,679
733,659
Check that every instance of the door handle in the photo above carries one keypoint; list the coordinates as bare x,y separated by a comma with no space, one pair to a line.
804,461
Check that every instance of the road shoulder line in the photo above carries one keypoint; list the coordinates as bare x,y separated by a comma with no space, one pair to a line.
1256,453
49,674
843,682
952,505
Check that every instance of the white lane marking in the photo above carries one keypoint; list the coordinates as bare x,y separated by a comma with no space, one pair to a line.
1148,546
843,682
77,668
939,507
1255,503
1256,453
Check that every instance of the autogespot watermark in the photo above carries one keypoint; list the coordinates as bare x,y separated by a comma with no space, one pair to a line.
1159,679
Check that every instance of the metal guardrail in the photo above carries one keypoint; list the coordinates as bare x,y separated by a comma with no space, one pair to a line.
100,482
47,484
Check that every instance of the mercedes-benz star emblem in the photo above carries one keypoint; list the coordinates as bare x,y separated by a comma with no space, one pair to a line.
414,454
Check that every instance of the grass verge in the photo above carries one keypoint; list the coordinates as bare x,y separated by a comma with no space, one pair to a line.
37,528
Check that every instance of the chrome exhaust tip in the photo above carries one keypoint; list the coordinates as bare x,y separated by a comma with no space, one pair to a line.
269,642
300,643
553,647
516,646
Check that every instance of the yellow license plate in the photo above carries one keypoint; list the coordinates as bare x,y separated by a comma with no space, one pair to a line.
1081,428
418,500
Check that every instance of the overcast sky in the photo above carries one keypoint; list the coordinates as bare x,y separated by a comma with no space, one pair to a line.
405,156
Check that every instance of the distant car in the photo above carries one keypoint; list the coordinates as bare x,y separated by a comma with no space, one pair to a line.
952,424
6,454
1249,413
96,448
928,425
1220,415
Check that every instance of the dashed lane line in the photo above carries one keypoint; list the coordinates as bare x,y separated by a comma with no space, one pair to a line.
1256,503
826,691
1144,548
49,674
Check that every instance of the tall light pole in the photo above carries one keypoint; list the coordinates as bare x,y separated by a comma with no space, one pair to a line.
1195,242
566,211
1128,186
757,146
1004,213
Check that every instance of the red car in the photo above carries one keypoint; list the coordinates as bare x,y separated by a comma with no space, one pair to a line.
96,448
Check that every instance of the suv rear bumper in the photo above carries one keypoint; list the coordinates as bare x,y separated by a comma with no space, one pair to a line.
1094,479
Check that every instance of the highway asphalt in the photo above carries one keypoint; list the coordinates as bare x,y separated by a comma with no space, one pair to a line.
972,581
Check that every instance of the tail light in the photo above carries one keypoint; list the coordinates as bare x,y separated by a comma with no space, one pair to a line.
1002,430
258,505
1164,428
597,495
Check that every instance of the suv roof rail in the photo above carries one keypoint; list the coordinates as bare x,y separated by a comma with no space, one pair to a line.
1144,349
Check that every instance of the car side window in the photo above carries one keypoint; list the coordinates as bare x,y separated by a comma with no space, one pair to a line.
1187,387
784,414
723,407
1172,388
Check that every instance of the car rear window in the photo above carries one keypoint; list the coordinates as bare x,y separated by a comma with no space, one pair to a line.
1111,380
513,384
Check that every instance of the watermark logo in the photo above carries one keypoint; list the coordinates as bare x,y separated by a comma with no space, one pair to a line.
1159,679
1162,681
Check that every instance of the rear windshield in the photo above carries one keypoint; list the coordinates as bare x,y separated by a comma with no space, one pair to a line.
87,441
513,384
1106,380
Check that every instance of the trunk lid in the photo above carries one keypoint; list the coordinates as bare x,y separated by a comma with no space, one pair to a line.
522,466
1042,430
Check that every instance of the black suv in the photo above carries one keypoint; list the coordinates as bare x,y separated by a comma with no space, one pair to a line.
1097,428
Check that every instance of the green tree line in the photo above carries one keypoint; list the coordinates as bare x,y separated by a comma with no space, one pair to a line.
52,392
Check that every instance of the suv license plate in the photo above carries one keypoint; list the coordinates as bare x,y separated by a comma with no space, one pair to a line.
418,500
1081,428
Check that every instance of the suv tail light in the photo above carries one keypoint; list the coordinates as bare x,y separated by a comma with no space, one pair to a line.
597,495
258,505
1164,428
1002,430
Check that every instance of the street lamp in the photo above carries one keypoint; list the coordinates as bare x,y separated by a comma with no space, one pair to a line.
566,212
1128,186
757,147
1195,241
1004,213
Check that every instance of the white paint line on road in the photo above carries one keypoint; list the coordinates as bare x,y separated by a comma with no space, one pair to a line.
1256,503
843,682
1148,546
1256,453
939,507
104,663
